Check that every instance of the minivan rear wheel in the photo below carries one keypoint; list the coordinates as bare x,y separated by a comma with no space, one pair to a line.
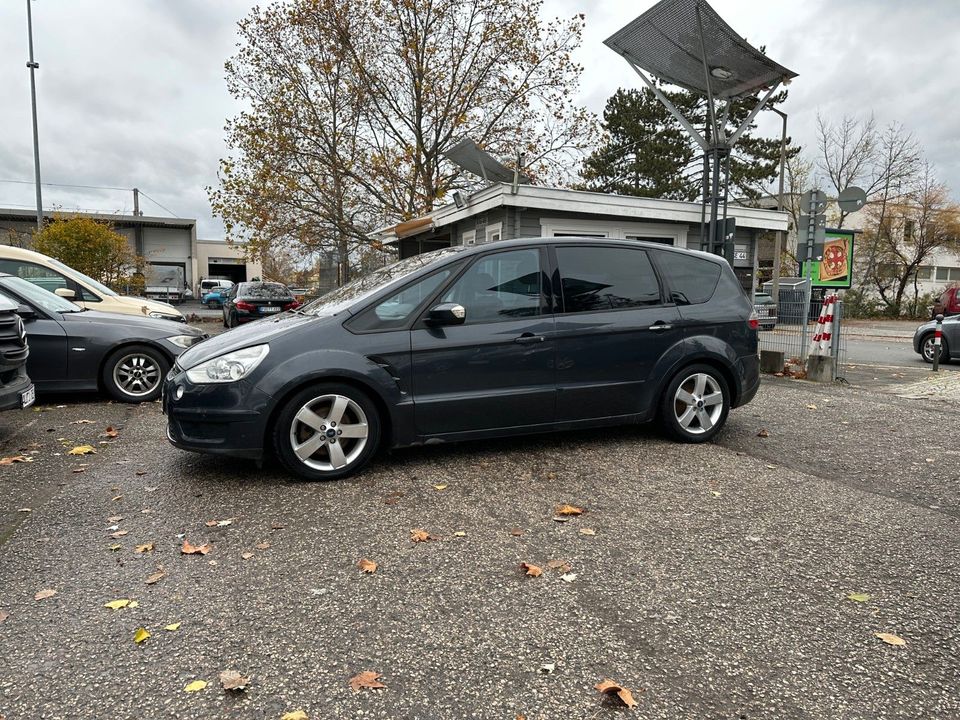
695,404
327,431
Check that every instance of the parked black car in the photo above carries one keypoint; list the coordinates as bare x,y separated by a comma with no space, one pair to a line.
72,349
16,389
508,338
923,340
254,300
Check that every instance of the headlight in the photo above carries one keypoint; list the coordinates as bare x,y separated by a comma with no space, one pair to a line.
184,341
230,367
164,316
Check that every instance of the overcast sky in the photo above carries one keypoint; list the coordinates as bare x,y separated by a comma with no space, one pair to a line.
131,92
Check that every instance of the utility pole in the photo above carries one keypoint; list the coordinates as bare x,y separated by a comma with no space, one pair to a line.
778,243
34,65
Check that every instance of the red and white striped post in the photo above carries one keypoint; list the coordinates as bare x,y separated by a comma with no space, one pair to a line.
937,342
824,329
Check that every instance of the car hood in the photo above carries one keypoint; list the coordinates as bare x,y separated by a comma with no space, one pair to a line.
145,306
147,327
255,333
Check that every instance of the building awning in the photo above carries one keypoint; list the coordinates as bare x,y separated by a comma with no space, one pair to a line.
676,39
413,227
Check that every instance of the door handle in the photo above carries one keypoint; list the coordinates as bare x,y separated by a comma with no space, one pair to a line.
660,326
529,339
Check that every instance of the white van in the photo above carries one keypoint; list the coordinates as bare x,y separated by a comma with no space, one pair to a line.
86,292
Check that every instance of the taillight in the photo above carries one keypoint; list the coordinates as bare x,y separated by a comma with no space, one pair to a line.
753,322
243,305
291,306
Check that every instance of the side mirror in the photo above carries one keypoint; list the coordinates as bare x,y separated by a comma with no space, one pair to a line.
65,293
26,312
446,314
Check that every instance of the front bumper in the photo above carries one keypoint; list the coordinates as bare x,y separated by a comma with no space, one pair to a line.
220,418
11,393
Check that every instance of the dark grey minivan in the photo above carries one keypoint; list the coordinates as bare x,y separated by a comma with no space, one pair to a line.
501,339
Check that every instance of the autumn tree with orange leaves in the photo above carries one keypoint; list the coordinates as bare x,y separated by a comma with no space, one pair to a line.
350,107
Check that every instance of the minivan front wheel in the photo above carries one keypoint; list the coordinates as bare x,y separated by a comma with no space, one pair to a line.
327,431
695,404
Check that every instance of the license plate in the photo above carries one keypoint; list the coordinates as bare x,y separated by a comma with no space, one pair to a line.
27,397
269,309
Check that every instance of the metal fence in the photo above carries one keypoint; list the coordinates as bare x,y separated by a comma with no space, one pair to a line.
792,330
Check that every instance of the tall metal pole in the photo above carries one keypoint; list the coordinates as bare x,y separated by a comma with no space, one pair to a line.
778,243
33,65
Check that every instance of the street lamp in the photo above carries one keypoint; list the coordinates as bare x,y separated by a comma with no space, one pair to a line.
33,65
778,243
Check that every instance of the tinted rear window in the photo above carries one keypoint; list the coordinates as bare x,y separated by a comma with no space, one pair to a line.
264,290
605,278
691,279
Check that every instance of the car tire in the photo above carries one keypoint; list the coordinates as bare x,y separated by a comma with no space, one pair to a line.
302,433
695,404
135,373
927,346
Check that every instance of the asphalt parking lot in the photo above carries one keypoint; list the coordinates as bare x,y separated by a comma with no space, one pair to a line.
715,582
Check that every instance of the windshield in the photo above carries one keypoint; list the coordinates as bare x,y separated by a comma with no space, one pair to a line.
343,297
263,290
37,296
70,272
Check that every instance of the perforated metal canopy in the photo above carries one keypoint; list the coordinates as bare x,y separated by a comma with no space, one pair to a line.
468,155
672,39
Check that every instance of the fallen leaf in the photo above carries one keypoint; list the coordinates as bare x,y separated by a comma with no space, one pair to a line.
771,467
119,534
110,432
15,459
82,450
441,486
587,531
368,566
117,604
246,555
44,594
133,604
763,433
25,510
459,533
188,549
858,597
891,639
172,627
569,577
516,532
277,526
224,523
155,578
811,406
233,680
715,493
532,570
3,616
559,565
366,679
263,546
612,689
82,422
115,518
295,715
211,523
118,497
115,546
195,686
420,535
78,470
563,510
141,635
145,548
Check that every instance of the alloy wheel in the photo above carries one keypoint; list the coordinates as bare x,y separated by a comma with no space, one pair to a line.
136,375
698,403
329,432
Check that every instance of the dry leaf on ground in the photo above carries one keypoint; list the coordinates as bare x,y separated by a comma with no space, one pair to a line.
532,570
119,534
569,577
115,518
263,546
891,639
295,715
858,597
811,406
188,549
559,565
117,604
516,532
610,688
420,535
763,433
110,432
172,627
587,531
155,578
246,555
44,594
145,548
141,635
82,422
368,566
3,616
15,459
441,486
195,686
82,450
565,510
366,679
233,680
